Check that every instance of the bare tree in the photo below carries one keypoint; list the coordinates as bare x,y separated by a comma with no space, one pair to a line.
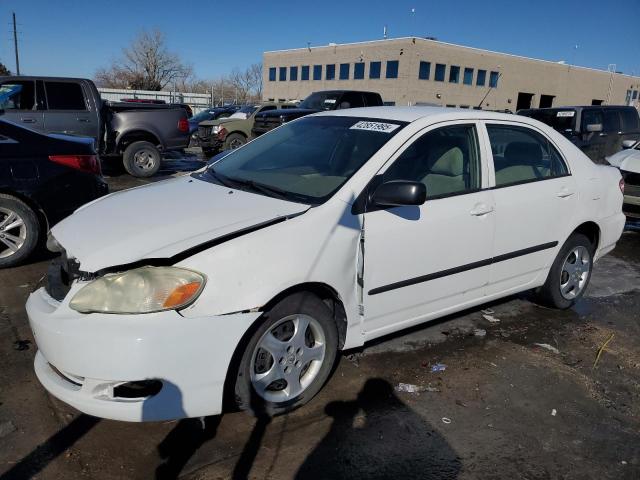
146,64
255,72
4,70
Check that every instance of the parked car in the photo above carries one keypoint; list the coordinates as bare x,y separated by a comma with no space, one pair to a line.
328,232
135,132
43,178
316,102
628,161
234,131
598,131
211,113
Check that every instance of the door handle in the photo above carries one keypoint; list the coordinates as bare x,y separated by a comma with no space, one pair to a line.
83,120
564,193
481,209
28,120
602,135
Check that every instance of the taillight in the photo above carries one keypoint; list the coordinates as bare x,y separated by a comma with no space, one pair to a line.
621,185
183,125
85,163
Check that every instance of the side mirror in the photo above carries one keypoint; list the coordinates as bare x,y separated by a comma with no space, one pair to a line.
628,143
594,127
400,193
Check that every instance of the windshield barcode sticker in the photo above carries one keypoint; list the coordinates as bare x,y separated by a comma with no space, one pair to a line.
330,100
375,126
566,114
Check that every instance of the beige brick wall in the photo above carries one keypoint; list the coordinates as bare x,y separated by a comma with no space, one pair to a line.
569,84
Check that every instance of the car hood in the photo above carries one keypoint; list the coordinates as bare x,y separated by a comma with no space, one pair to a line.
628,160
209,123
161,220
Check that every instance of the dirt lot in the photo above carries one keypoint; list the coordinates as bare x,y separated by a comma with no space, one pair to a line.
503,407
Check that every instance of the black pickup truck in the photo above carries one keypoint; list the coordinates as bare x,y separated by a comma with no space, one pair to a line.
316,102
136,132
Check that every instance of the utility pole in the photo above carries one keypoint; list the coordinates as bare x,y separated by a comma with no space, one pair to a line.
15,44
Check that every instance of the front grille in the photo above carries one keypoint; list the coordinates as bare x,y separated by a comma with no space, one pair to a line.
630,178
204,132
268,123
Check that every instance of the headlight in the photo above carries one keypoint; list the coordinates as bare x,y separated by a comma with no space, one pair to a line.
143,290
215,128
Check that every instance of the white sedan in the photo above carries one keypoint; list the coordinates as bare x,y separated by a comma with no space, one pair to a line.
242,281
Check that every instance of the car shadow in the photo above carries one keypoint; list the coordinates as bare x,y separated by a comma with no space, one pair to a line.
378,436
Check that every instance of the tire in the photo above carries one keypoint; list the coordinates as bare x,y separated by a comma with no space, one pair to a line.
234,140
561,290
141,159
19,231
264,383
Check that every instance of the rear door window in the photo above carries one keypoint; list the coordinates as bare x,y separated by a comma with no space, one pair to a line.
522,155
17,95
630,120
65,96
611,121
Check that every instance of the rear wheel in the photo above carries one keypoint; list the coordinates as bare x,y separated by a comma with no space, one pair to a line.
569,274
234,140
19,231
141,159
289,357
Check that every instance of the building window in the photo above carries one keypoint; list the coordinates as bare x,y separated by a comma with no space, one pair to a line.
304,73
358,71
392,69
493,79
468,76
282,74
293,74
454,74
330,72
317,72
374,69
425,70
440,69
344,71
272,74
481,78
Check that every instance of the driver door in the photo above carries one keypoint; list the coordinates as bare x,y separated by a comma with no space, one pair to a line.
424,261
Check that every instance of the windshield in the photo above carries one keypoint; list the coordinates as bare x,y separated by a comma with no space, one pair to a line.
563,120
245,112
307,160
202,116
321,101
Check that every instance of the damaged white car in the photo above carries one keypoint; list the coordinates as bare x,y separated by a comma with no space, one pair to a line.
244,280
628,161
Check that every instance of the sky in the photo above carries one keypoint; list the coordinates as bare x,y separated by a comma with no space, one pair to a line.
76,37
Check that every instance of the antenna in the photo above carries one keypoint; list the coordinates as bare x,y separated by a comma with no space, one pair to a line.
15,44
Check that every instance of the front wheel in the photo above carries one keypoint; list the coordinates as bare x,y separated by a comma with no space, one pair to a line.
289,357
234,140
141,159
569,274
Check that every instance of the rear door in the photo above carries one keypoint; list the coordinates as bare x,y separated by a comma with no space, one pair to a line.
68,110
535,201
613,132
18,99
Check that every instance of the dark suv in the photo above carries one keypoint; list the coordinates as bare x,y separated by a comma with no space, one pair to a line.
316,102
598,131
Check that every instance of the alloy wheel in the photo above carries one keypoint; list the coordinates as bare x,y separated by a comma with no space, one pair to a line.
575,272
13,232
144,159
287,358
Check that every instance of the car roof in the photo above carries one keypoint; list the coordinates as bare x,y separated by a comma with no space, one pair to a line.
411,114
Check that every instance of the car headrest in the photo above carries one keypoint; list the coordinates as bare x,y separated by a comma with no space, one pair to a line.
449,162
527,153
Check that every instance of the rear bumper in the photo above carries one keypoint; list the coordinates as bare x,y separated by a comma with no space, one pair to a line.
610,231
94,353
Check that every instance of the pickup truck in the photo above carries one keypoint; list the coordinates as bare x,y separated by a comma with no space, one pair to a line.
316,102
234,131
135,132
